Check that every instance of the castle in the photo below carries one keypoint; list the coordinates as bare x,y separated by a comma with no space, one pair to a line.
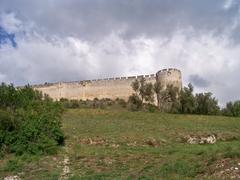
111,88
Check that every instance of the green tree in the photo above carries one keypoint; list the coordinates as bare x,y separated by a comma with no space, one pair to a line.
144,90
187,100
232,109
136,86
167,98
206,104
157,89
143,93
148,93
174,98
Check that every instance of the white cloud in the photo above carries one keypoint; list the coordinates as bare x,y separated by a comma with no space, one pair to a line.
9,22
228,4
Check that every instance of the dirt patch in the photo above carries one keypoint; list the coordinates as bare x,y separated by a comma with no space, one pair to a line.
226,169
95,141
145,142
108,161
98,141
153,142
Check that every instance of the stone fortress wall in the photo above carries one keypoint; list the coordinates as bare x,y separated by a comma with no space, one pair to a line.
107,88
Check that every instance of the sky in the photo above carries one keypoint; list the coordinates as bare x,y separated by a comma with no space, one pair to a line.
69,40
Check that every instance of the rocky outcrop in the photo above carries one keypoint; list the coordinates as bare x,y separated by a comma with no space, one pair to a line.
207,139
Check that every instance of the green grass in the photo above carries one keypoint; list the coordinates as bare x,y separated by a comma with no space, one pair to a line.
112,144
171,159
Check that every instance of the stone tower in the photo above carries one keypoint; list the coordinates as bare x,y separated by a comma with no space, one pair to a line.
170,77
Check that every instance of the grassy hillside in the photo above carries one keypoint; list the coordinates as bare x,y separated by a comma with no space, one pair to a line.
104,144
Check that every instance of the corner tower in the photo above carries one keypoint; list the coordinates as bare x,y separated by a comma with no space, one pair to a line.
170,77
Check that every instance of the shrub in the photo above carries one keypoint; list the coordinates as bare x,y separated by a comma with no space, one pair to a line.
32,124
74,104
121,102
150,108
95,103
134,103
7,122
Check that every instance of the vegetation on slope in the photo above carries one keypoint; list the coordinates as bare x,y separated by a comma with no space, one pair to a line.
107,144
29,122
180,101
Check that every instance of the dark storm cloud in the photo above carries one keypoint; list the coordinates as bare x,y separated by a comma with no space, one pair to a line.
199,81
93,19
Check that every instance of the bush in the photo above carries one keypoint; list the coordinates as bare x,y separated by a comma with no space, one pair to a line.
121,102
7,122
150,108
32,124
95,103
134,103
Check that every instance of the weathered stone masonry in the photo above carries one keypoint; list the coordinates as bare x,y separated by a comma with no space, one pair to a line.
107,88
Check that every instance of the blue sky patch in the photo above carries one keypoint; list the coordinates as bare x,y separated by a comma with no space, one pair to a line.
6,37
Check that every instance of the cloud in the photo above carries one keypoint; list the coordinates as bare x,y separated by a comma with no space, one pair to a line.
228,4
95,19
199,81
9,22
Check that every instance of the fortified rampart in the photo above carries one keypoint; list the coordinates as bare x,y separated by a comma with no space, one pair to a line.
107,88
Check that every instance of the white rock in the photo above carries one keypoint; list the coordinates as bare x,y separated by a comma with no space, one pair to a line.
211,139
66,161
66,170
12,178
202,140
192,140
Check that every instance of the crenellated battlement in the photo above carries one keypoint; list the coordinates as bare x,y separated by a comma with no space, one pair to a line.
95,80
169,70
